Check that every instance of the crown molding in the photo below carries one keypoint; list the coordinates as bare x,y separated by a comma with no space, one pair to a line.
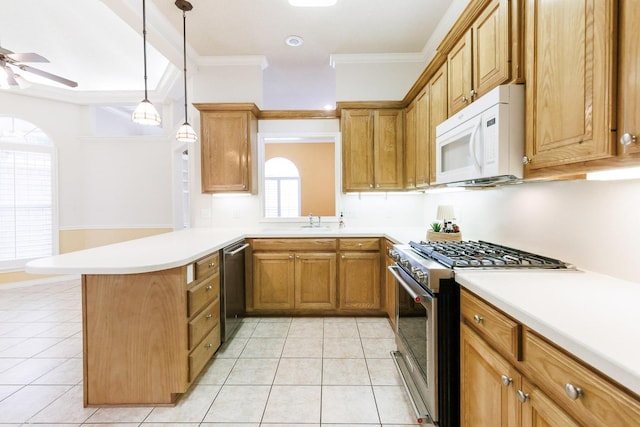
375,58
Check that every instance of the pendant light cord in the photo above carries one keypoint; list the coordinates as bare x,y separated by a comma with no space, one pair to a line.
184,56
144,41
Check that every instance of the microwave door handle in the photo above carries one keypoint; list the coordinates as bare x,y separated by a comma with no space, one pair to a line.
476,134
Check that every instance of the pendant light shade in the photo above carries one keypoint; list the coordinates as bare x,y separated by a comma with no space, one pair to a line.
145,113
185,132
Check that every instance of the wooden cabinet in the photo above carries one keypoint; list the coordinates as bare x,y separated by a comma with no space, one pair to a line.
410,141
228,146
372,149
629,76
132,319
481,59
359,269
294,274
438,112
389,284
485,399
570,81
539,385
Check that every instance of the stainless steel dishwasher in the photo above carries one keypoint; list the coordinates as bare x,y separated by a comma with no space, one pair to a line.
232,308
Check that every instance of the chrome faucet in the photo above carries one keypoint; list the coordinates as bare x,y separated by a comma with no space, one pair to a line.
310,219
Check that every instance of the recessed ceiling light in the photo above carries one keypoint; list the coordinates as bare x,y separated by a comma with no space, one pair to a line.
294,41
312,3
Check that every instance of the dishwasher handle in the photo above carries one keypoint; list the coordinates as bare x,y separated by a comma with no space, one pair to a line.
237,250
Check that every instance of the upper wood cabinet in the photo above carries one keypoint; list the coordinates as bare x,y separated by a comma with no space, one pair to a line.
438,112
372,149
629,76
570,82
410,146
228,141
423,140
481,59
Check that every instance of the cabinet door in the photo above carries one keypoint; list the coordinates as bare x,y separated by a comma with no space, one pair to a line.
485,400
357,150
225,148
438,113
538,410
570,79
360,280
390,288
315,281
422,138
387,148
491,47
629,68
273,280
410,131
459,74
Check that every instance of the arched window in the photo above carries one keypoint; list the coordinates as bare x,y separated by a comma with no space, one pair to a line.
26,193
282,188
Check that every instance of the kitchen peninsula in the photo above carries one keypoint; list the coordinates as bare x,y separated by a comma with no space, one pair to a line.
151,308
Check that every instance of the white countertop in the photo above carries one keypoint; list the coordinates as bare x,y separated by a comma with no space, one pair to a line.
593,316
178,248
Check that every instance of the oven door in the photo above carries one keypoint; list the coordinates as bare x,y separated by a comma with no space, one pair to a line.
417,344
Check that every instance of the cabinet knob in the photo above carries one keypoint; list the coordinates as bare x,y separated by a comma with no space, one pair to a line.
343,257
627,139
526,160
472,93
506,380
477,318
377,185
212,264
370,185
572,391
209,345
464,99
290,256
297,256
208,288
522,396
209,316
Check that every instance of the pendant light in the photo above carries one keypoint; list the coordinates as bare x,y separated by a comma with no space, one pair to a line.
145,113
185,132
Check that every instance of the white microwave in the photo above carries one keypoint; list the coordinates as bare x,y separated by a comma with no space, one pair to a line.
483,144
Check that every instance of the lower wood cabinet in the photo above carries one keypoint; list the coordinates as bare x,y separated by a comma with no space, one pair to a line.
542,385
316,276
360,274
147,336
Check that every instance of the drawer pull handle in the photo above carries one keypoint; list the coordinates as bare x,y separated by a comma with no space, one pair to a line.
522,396
212,264
209,345
506,381
208,288
209,316
572,391
478,319
359,245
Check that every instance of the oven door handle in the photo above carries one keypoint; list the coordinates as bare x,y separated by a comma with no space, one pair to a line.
418,294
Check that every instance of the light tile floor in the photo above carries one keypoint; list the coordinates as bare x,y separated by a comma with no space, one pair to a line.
290,372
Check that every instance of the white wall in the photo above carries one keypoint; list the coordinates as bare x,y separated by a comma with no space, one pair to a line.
105,182
591,224
383,81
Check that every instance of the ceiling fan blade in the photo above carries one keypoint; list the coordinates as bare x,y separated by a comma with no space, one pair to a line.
50,76
11,78
26,57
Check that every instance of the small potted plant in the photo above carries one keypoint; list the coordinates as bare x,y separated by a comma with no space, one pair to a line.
436,233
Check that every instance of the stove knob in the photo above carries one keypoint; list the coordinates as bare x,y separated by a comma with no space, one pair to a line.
418,273
393,254
404,262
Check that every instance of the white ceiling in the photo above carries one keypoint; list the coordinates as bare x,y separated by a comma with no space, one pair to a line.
98,42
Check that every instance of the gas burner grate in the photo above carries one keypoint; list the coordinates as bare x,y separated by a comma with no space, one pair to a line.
481,254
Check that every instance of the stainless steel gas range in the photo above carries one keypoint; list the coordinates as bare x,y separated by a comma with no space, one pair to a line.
428,317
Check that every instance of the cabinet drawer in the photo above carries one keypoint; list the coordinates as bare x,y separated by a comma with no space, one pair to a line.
207,266
496,327
203,323
601,402
294,244
366,244
202,293
203,352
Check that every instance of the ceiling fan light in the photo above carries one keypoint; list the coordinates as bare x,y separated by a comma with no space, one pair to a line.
312,3
186,133
146,114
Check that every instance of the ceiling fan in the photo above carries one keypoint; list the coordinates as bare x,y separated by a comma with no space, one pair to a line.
9,59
